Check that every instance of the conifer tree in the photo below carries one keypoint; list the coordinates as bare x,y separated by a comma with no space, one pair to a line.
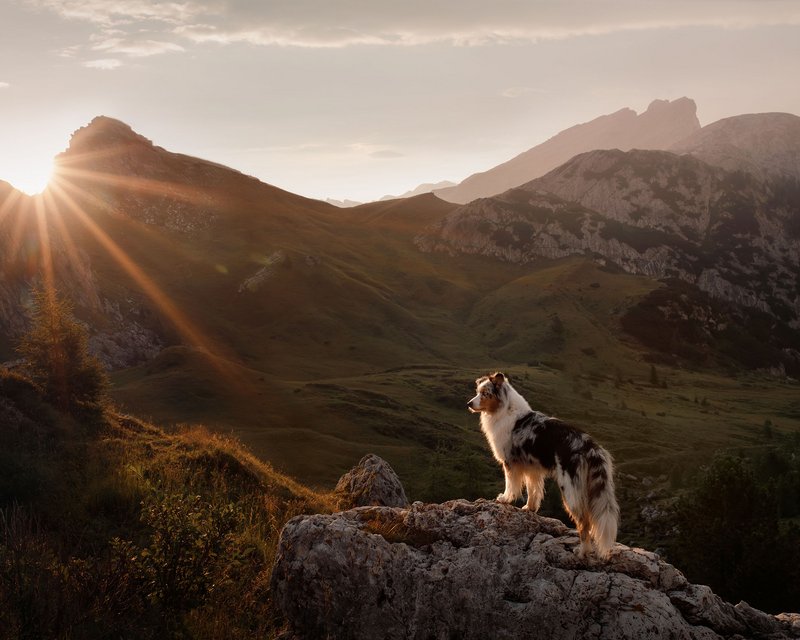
56,354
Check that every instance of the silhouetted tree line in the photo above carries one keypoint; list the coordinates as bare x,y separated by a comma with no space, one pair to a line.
737,526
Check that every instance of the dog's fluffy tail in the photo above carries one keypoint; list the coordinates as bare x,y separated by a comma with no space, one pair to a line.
602,501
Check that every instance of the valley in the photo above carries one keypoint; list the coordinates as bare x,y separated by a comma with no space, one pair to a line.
316,334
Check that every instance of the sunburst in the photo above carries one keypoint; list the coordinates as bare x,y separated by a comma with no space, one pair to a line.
64,199
29,174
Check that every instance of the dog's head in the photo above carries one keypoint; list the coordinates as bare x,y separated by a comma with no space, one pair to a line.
490,394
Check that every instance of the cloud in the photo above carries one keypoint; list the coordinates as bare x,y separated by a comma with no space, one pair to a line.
106,64
386,153
136,48
326,24
4,85
121,12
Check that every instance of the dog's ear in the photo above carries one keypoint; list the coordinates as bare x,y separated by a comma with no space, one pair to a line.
497,379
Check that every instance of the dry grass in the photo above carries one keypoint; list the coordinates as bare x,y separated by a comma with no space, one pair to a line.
124,528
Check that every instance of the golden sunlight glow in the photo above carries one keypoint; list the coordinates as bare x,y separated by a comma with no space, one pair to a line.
65,196
28,174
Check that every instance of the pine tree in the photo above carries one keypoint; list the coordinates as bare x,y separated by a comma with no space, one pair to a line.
56,355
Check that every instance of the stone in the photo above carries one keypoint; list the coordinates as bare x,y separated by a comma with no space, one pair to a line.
372,482
486,570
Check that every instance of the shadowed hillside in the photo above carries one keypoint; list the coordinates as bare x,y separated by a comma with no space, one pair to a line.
317,334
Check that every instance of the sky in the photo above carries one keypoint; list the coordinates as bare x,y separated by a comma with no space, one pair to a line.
362,98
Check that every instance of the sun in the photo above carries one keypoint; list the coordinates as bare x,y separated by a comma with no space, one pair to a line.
28,174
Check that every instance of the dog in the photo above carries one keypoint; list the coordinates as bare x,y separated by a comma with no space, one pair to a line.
532,447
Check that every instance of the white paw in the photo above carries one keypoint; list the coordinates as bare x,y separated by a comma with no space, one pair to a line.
531,508
583,551
503,498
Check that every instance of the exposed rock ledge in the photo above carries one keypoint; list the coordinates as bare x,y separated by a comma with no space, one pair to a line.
484,570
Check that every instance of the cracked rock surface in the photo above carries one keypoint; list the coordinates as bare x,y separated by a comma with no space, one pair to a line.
485,570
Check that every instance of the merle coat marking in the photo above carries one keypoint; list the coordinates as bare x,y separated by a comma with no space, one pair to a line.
532,446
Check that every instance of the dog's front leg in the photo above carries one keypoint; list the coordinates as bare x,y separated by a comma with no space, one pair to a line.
513,484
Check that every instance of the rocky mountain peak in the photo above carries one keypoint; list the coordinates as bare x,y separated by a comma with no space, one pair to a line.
659,127
104,132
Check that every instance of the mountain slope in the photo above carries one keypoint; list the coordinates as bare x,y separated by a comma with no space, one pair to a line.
651,213
659,127
317,334
427,187
766,145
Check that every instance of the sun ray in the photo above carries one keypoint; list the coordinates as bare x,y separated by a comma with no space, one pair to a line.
189,332
45,251
10,206
103,205
149,186
69,245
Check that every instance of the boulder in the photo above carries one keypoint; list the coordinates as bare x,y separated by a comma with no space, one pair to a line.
372,482
485,570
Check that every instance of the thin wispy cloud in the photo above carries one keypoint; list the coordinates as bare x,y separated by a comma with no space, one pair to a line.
121,12
4,85
325,24
137,48
105,64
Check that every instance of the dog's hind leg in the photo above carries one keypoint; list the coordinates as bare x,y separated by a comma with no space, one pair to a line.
585,548
534,484
514,480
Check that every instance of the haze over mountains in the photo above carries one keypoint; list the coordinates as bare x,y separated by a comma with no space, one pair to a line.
663,124
218,298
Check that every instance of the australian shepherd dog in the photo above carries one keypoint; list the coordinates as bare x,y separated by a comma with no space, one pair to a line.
532,447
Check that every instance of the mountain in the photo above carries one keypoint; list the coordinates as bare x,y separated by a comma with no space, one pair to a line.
663,124
647,296
317,334
651,213
344,204
766,145
428,187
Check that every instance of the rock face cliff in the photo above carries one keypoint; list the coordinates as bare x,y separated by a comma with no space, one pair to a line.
652,213
485,570
662,125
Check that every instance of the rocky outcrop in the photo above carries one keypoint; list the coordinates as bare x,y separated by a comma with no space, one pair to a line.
372,482
485,570
659,127
135,178
652,213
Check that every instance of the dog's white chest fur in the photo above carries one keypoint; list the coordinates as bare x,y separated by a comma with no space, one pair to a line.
498,426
